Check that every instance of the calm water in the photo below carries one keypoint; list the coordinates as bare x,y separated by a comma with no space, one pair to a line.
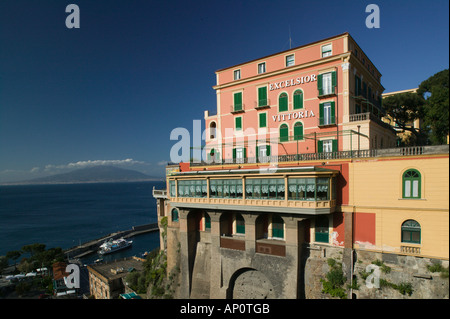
65,215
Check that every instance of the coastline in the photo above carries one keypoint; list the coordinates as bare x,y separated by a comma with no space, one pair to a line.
81,182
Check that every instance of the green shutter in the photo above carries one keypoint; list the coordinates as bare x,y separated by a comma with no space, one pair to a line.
284,133
334,146
268,150
262,96
238,122
234,153
333,81
283,102
333,117
298,99
262,120
321,114
238,101
245,152
298,131
257,152
319,84
357,86
319,146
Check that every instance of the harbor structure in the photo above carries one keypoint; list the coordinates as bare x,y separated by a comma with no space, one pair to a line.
299,167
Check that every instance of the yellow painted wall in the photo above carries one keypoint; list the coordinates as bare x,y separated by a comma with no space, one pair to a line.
375,186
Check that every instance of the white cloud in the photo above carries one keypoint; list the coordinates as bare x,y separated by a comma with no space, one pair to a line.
90,163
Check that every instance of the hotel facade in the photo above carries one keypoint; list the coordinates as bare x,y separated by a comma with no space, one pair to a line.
299,167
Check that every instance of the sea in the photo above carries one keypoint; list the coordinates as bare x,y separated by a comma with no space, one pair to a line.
67,215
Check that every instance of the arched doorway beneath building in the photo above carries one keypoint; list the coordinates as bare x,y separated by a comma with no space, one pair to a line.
249,283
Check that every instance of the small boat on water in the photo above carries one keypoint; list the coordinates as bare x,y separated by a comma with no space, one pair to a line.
112,246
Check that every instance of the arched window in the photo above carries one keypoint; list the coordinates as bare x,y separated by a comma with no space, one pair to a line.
298,99
240,224
212,130
207,221
277,227
174,215
411,184
283,102
298,131
284,133
411,232
322,231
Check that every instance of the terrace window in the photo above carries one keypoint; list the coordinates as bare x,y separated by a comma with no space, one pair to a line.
265,188
309,188
225,188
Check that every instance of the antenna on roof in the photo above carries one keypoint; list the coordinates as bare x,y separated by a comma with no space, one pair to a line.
290,38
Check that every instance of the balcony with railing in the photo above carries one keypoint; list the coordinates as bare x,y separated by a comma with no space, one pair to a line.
368,153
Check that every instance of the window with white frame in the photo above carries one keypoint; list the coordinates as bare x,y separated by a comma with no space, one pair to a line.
326,83
237,74
262,67
290,60
326,50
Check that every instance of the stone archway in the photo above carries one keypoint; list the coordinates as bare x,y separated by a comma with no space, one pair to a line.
248,283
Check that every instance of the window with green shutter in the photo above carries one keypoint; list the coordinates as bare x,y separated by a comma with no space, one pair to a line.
298,99
262,96
298,131
322,229
262,151
207,221
262,119
283,102
411,232
238,101
326,83
277,227
238,123
411,184
319,84
357,85
284,133
240,224
327,113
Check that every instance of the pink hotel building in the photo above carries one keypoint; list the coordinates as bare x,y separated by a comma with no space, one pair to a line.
320,97
339,187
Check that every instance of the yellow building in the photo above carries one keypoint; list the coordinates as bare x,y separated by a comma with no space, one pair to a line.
400,203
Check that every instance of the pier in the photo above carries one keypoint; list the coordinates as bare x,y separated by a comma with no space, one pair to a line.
92,246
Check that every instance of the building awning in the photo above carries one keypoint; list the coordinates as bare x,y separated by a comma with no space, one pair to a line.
131,295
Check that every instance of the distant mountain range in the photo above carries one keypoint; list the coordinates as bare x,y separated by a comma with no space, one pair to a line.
95,174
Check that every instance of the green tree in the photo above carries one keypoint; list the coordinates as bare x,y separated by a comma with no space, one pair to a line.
404,109
435,91
33,249
3,263
14,255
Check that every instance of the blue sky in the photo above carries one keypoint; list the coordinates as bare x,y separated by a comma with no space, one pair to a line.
111,91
